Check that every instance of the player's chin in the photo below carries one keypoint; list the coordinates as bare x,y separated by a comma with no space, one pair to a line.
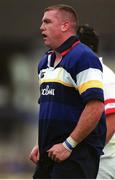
47,44
45,41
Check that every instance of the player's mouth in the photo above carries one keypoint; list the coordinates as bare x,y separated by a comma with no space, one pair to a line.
44,36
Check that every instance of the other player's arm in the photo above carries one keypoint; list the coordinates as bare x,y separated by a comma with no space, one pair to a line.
110,122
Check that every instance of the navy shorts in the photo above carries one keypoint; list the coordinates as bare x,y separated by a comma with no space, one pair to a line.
84,166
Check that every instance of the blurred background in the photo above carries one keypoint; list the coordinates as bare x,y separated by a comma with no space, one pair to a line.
20,49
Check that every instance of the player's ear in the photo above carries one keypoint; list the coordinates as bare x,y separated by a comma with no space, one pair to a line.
65,26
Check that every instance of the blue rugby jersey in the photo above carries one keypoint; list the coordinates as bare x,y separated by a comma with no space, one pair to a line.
64,91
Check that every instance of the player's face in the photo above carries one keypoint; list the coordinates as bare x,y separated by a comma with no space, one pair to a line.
51,29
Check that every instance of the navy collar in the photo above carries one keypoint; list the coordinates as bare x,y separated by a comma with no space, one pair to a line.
66,45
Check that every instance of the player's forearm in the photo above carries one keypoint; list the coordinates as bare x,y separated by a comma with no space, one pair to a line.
88,120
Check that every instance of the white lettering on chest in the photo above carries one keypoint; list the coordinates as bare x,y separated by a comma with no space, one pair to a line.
47,91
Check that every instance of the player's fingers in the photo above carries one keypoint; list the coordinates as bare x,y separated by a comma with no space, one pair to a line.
33,158
56,159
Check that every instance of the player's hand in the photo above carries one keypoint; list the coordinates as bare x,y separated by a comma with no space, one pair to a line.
58,153
34,154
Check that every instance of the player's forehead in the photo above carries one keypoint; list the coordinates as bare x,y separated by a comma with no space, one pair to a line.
54,13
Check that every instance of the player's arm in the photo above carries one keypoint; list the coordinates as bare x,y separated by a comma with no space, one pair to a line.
88,120
87,123
110,122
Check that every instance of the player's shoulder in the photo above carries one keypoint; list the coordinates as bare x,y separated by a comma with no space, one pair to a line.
86,54
83,50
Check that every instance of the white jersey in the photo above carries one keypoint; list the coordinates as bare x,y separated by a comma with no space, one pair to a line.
107,161
109,96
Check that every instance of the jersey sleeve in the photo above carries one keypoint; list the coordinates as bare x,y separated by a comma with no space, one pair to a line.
90,78
109,92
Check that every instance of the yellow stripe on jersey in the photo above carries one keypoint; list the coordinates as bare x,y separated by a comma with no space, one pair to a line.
85,79
56,81
90,84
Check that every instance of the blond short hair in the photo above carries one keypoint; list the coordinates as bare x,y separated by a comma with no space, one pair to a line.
67,12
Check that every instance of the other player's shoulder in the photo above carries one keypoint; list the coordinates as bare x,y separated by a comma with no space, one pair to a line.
108,74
